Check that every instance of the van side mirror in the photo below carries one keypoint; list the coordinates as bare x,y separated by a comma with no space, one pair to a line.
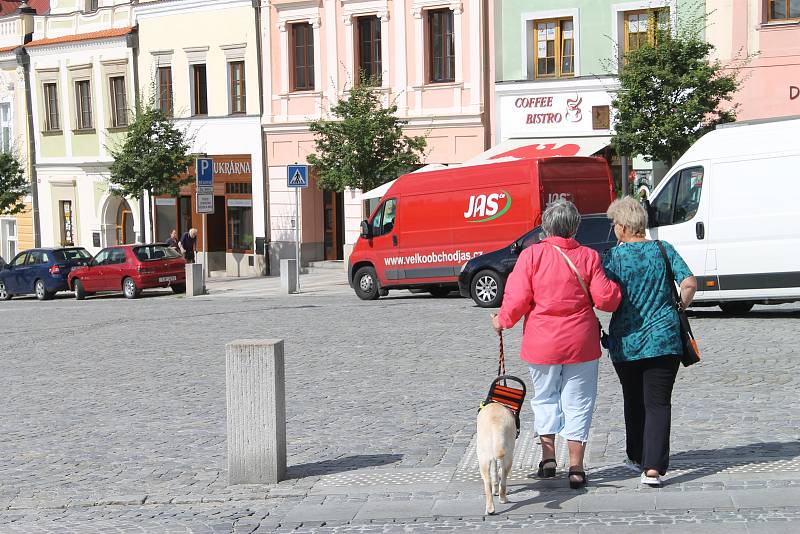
651,218
366,230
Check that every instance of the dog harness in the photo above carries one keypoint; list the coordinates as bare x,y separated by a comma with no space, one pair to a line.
510,397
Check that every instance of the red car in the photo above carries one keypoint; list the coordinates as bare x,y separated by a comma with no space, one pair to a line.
130,268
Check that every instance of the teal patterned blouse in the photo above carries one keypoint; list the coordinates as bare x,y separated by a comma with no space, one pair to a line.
646,324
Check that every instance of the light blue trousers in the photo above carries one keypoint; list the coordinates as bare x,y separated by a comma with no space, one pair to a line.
563,399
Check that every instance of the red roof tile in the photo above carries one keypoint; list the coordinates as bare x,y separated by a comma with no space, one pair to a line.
8,7
105,34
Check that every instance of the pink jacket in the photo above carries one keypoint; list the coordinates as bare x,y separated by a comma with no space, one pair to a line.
560,324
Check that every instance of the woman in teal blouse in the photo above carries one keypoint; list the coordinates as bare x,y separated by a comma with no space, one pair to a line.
644,336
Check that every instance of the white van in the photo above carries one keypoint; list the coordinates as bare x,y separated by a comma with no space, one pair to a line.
731,207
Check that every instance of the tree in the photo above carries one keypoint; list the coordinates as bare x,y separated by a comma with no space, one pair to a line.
364,146
13,185
670,95
150,159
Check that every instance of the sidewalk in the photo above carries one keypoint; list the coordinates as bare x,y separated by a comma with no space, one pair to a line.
329,282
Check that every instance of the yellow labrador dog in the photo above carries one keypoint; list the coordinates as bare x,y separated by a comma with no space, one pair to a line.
497,433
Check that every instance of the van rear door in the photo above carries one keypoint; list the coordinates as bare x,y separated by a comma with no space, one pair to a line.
679,215
584,181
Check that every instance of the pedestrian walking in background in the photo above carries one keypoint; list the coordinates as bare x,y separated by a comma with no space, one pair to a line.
644,336
561,337
173,241
188,244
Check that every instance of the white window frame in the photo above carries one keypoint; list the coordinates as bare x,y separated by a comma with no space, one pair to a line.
7,238
195,56
9,124
529,19
618,23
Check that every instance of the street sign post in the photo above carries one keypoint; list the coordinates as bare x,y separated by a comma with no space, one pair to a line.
297,178
204,202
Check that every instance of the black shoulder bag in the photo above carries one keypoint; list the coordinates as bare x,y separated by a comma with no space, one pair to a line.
691,354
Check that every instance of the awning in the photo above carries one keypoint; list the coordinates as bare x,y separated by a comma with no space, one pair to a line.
381,190
513,149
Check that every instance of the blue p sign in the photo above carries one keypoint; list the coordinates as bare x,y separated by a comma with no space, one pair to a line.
205,172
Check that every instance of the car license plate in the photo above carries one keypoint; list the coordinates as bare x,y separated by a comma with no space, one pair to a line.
167,278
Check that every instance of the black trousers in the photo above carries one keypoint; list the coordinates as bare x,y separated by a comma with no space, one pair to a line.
647,392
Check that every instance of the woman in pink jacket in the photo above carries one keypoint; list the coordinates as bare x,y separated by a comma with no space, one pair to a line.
561,335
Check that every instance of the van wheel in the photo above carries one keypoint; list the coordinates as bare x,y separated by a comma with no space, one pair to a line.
129,288
487,289
440,292
736,307
41,291
77,286
366,284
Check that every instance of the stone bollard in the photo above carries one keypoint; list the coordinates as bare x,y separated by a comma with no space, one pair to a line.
195,284
288,276
256,411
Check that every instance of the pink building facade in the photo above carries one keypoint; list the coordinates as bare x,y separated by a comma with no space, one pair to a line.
769,33
431,59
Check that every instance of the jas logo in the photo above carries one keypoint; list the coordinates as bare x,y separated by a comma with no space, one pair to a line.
484,208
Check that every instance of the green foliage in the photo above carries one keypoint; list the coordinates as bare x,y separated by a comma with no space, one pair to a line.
151,157
364,146
670,95
13,185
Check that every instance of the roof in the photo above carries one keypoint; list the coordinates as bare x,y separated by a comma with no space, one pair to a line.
105,34
11,48
8,7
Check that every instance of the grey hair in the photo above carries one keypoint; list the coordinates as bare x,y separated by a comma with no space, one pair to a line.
561,219
629,213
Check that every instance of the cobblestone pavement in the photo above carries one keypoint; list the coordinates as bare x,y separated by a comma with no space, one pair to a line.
113,420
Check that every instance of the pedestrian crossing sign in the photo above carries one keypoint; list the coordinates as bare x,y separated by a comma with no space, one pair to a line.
297,175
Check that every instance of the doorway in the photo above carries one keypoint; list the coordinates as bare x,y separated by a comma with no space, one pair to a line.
125,233
333,224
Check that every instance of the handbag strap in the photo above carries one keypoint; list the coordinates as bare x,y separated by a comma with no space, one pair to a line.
670,276
577,273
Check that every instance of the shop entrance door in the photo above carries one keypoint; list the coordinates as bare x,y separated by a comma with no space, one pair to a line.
215,226
333,219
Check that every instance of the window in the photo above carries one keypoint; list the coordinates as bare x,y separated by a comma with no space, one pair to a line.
680,198
383,222
51,121
200,100
5,127
239,188
784,9
302,57
37,257
116,256
554,48
72,254
91,5
83,104
240,227
166,218
236,75
8,234
643,27
65,215
165,89
369,48
155,252
119,108
102,257
20,260
532,237
441,46
593,231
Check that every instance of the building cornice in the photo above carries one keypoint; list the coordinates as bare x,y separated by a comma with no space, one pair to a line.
172,7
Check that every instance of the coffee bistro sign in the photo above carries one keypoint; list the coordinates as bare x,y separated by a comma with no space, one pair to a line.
548,113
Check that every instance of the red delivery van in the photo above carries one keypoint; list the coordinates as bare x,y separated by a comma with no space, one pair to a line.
429,224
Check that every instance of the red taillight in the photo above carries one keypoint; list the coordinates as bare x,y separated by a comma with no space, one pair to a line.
55,270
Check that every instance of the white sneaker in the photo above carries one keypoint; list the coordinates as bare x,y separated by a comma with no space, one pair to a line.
632,466
653,482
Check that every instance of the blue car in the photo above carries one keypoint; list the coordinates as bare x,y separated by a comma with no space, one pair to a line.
41,271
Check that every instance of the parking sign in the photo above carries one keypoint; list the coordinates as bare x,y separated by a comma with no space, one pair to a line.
205,173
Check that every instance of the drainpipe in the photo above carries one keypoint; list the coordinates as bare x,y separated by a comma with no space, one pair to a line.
259,54
24,60
488,60
132,41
